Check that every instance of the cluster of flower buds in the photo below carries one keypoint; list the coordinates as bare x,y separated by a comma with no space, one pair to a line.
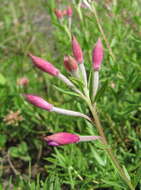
61,13
74,65
67,12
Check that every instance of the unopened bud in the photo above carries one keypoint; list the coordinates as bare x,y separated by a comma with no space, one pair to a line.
63,138
59,14
69,11
38,101
64,12
41,103
70,63
77,51
44,65
97,56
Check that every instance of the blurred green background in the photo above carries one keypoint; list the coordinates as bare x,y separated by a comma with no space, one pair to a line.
26,162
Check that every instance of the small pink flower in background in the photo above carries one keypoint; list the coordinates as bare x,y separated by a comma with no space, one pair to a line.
97,56
69,11
23,81
77,51
63,138
64,12
44,65
38,101
70,63
59,14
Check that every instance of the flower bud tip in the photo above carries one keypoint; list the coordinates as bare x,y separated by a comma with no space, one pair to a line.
59,14
44,65
38,101
69,11
97,56
62,138
77,51
70,63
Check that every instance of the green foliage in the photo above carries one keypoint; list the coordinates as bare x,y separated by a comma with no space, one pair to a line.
20,152
3,139
32,27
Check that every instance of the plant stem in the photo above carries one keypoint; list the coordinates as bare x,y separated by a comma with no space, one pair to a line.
93,9
108,149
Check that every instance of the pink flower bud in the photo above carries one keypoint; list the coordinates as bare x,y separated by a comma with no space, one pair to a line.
97,55
69,11
44,65
64,12
62,138
59,14
70,63
41,103
77,51
22,81
38,101
59,139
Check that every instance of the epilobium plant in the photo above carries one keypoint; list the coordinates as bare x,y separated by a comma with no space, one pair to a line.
75,66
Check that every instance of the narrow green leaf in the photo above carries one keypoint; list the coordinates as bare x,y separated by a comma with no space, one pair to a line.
126,173
66,92
2,79
97,156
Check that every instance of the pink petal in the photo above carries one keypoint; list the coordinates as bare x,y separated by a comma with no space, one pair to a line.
38,101
77,51
44,65
97,55
62,138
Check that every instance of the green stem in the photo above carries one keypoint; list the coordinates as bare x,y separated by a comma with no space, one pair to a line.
107,149
93,10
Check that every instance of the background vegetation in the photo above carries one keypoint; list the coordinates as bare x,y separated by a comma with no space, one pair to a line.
26,162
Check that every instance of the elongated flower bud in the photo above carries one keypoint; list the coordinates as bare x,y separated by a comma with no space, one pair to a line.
69,11
59,14
41,103
97,55
77,51
70,63
49,68
44,65
63,138
38,101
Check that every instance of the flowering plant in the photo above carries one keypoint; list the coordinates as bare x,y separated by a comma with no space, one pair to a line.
75,66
